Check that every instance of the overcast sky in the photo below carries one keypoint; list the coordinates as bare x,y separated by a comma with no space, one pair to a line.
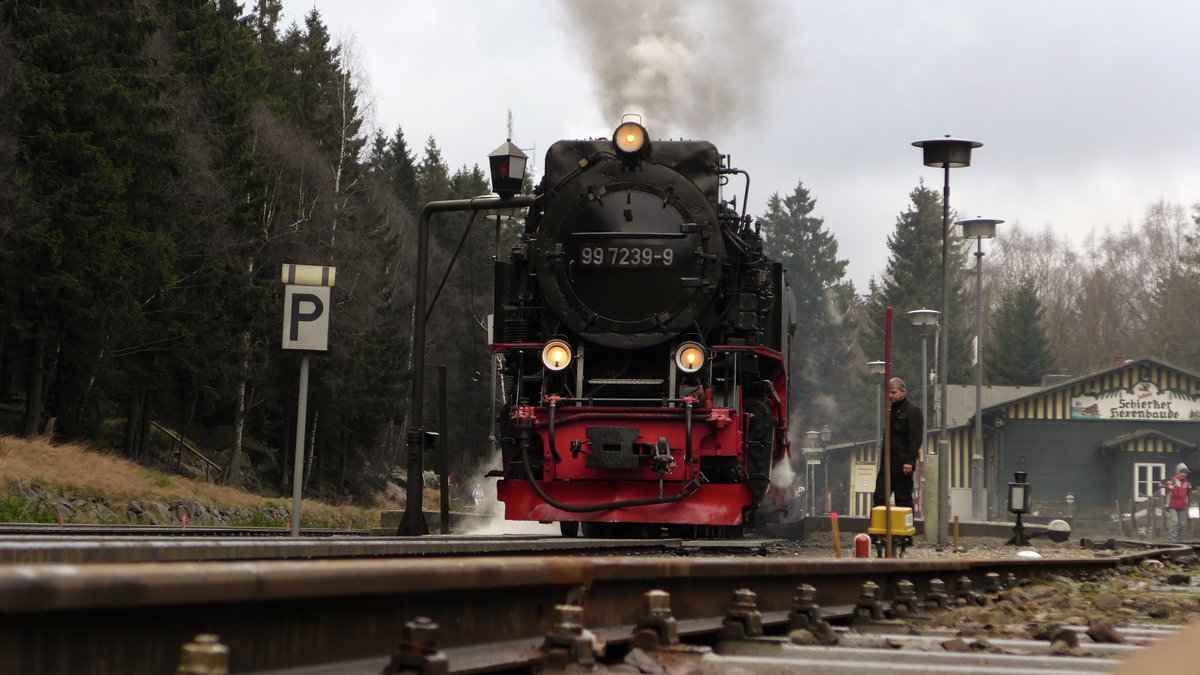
1089,110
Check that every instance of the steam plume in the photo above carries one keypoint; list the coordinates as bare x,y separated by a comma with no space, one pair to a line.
696,71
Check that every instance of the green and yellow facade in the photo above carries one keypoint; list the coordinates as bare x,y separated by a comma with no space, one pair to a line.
1095,442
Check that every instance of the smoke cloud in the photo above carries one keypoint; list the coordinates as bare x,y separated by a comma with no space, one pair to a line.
688,67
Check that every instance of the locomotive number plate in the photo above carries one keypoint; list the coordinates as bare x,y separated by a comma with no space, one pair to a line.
644,255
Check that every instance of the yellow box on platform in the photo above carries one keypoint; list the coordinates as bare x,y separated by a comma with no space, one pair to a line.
902,521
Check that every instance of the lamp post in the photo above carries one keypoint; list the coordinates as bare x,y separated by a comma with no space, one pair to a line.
812,458
877,368
947,153
826,434
926,320
978,229
508,172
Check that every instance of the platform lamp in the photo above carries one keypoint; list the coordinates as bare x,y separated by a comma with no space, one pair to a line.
927,321
946,153
878,368
1020,495
826,434
812,451
978,229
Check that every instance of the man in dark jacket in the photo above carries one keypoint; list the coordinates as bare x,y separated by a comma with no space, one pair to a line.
907,424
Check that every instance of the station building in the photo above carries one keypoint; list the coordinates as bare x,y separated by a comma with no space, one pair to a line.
1091,446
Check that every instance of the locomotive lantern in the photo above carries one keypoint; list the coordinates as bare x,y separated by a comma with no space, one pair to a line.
640,345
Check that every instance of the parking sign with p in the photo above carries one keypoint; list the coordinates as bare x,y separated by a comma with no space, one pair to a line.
306,306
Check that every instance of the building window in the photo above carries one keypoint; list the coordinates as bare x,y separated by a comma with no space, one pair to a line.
1147,479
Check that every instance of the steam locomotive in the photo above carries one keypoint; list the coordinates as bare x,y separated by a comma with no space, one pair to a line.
640,345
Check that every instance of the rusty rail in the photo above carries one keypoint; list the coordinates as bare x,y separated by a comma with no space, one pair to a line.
133,618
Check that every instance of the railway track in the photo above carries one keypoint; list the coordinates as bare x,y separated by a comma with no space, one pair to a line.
488,613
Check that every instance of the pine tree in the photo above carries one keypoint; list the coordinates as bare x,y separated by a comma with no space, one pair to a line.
1021,352
912,281
392,158
822,296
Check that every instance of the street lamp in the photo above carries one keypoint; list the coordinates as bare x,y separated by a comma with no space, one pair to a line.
978,229
877,368
826,434
812,457
947,153
926,320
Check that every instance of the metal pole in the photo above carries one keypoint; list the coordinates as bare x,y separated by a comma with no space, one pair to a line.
879,411
887,432
943,373
978,502
413,522
925,511
298,460
809,480
444,450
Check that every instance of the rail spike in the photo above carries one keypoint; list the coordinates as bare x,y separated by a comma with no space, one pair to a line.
657,620
204,656
743,621
568,634
418,651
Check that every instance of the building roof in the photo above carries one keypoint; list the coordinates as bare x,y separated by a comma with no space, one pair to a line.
997,399
962,401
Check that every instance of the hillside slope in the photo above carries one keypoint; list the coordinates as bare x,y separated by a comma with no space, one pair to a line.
41,481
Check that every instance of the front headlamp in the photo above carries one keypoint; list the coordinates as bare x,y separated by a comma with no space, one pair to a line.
629,138
556,355
689,357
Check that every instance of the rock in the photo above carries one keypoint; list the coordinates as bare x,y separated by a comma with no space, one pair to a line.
642,661
161,513
1068,637
1105,601
957,645
825,633
1104,630
1160,611
1059,649
801,636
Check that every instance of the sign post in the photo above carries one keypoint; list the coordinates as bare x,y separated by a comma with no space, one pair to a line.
305,327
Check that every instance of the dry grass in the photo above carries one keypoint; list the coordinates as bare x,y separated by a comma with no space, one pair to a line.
77,472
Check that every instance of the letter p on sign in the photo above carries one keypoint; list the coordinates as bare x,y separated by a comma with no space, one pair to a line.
305,314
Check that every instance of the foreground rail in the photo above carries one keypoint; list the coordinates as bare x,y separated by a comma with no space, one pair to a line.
133,618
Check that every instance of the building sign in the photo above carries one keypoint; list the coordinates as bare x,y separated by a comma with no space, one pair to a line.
1144,401
864,476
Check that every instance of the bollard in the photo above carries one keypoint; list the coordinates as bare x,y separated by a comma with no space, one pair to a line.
837,542
862,546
